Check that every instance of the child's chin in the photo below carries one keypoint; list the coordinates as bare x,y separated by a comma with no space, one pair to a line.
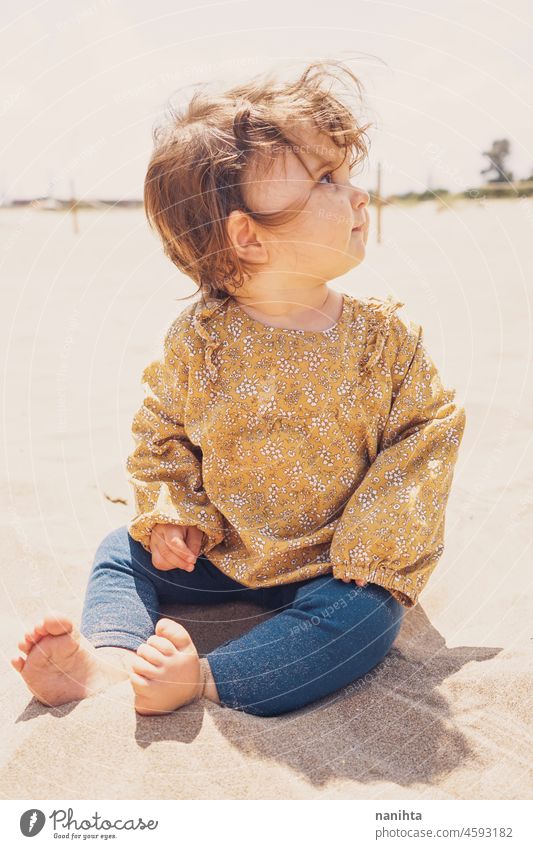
358,247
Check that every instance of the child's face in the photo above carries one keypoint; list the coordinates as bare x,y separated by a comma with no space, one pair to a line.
320,242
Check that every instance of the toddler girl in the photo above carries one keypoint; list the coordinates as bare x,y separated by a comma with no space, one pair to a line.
297,446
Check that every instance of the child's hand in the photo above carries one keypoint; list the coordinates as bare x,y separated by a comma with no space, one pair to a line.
175,546
358,581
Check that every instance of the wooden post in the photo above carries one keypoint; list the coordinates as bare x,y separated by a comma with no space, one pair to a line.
73,207
379,204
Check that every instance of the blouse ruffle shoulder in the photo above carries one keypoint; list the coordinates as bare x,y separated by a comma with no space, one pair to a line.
202,313
381,315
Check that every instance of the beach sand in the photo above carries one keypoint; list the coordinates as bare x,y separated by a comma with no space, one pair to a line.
448,714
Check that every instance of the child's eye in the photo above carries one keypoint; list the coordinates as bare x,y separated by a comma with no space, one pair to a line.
328,174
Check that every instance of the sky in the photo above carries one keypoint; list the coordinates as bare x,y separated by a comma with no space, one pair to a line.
84,83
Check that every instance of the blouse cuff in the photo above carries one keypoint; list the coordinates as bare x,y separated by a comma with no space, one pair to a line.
400,586
140,528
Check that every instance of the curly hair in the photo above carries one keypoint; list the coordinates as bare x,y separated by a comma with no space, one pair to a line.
206,152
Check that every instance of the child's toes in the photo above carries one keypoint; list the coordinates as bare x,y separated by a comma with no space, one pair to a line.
144,667
152,654
174,632
139,683
162,644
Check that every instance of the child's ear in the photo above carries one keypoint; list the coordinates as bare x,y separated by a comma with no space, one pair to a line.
243,235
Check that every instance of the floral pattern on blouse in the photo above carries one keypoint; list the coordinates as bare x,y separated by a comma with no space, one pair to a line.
299,453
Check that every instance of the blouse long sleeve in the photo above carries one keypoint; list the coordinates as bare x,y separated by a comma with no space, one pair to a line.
391,531
165,469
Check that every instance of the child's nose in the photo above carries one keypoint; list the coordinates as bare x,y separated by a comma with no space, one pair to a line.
361,196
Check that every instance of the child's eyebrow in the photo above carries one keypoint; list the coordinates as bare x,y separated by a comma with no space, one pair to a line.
326,163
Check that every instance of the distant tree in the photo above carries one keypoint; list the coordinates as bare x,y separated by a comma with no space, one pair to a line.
499,151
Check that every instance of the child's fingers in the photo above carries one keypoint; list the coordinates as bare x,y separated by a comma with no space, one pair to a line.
177,544
194,538
172,541
165,558
161,558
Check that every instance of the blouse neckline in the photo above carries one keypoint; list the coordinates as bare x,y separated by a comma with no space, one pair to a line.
269,328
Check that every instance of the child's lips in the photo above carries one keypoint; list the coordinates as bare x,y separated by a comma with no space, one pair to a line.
361,228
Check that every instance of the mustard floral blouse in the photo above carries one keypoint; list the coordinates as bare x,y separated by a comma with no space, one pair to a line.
299,453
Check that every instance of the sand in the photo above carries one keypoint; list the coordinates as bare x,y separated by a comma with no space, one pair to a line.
448,715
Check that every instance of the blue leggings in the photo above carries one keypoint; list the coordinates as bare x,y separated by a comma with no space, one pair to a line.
324,635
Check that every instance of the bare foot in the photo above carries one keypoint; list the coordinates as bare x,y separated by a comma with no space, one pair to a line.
166,673
63,666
